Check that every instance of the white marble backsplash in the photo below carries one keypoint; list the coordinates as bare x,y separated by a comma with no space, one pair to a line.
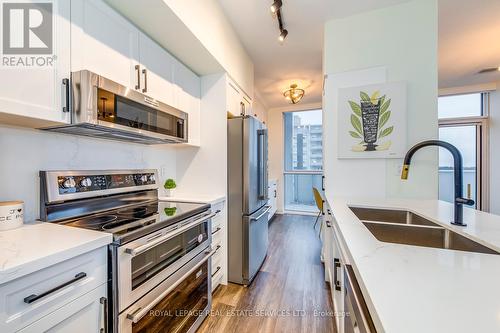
24,152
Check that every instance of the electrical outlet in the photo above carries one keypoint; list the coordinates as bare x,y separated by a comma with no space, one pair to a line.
163,172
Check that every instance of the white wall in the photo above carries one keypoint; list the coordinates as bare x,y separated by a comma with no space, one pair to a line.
25,152
207,21
276,145
203,171
403,40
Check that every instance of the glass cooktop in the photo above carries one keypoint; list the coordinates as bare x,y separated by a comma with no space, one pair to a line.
132,222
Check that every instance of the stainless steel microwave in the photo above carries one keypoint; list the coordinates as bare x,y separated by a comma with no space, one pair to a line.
105,109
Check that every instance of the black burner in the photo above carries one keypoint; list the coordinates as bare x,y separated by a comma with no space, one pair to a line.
92,221
133,221
116,224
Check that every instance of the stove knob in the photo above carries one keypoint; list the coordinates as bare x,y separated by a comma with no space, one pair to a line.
144,178
152,178
69,182
86,182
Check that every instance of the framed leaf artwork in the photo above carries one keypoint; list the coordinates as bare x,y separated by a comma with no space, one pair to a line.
372,121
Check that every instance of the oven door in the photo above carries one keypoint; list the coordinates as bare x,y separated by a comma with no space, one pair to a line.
178,304
146,262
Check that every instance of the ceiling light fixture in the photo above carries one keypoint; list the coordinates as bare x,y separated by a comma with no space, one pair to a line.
283,35
489,70
294,94
276,6
276,10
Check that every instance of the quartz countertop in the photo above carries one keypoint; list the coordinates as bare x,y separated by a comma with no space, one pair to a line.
418,289
38,245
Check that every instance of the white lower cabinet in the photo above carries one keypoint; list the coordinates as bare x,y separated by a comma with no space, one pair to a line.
334,267
272,197
219,236
85,314
57,296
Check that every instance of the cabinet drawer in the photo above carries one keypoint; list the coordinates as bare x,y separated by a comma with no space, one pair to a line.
216,237
217,260
216,279
33,296
82,315
218,207
216,223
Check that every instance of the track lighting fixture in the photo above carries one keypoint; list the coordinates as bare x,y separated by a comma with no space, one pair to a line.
283,35
276,9
276,6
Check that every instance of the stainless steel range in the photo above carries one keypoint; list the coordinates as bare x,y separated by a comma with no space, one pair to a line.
159,261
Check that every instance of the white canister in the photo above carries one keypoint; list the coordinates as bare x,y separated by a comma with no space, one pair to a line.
11,214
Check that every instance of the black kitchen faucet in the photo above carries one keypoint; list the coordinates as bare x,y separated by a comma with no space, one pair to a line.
457,161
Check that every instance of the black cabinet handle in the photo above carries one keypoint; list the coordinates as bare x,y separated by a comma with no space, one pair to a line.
138,69
216,271
65,82
242,109
275,194
322,183
336,266
145,72
104,302
216,230
32,298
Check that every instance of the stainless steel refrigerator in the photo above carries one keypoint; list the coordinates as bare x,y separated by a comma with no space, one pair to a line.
247,198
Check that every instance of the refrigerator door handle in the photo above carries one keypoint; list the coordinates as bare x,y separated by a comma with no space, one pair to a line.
261,215
262,163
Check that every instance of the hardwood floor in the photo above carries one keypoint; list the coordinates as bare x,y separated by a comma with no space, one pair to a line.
286,292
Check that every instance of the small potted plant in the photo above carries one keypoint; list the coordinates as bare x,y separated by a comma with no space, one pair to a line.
170,186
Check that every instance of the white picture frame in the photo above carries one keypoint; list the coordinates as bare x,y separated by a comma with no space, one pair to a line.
372,121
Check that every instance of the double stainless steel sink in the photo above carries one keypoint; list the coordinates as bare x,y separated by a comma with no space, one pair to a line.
404,227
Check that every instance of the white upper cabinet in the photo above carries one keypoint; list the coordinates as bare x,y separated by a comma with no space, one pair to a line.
157,70
234,103
104,42
90,35
238,102
31,85
187,90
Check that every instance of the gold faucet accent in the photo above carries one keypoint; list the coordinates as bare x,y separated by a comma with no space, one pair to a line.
404,171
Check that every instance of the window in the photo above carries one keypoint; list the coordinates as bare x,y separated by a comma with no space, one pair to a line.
463,122
457,106
303,160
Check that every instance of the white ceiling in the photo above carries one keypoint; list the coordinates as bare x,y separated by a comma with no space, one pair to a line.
469,40
469,33
299,58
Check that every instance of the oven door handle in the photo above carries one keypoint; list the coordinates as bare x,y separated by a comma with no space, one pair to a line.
143,248
141,312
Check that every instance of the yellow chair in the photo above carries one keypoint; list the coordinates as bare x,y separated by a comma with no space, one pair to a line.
319,203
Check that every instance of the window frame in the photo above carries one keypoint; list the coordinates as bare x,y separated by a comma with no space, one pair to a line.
285,171
482,147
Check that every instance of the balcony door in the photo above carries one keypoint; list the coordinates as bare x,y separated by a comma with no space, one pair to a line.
303,160
463,122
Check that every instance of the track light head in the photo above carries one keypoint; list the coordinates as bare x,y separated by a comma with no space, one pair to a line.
276,6
283,35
